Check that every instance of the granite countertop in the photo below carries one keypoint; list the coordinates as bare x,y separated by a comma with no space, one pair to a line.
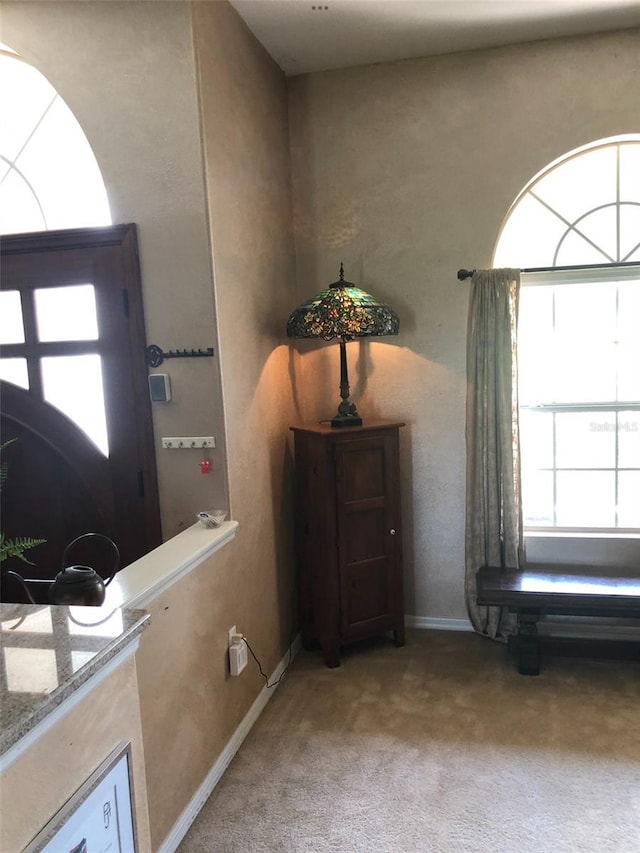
48,652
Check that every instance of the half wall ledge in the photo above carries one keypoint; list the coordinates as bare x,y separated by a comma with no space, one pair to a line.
140,582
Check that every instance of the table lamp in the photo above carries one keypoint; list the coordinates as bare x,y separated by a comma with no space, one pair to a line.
345,312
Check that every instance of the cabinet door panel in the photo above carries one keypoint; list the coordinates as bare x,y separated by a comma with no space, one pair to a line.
366,507
363,474
365,534
367,599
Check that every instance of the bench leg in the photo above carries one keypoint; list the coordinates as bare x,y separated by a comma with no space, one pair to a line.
526,644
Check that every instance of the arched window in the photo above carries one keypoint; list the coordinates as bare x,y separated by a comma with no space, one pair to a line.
49,177
582,209
579,337
49,180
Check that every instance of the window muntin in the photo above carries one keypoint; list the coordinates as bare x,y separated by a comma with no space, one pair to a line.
579,338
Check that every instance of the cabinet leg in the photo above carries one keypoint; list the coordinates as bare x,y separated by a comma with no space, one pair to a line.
398,636
331,655
307,641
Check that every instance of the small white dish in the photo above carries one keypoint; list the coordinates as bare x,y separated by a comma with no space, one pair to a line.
212,518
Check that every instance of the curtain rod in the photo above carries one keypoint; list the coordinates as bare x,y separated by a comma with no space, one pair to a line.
462,274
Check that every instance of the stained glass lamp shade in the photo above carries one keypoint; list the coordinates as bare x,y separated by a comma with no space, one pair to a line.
345,312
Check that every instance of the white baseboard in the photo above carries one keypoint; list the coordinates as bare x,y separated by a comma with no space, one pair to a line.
438,623
181,826
589,628
192,809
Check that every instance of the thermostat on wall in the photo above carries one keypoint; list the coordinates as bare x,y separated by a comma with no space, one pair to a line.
159,387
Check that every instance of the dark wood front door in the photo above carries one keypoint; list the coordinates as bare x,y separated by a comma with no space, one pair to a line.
77,400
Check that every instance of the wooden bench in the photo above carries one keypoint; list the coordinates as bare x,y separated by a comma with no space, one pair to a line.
568,592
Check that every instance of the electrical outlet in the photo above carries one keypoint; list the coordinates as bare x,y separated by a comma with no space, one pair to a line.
238,657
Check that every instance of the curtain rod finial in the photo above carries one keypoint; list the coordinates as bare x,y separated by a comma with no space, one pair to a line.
462,274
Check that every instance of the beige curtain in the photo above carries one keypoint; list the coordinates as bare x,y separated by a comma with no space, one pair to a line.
493,532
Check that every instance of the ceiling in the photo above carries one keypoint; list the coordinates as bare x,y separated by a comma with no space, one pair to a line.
316,35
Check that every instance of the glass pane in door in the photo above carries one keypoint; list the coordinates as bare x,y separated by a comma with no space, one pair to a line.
11,325
14,370
67,313
73,384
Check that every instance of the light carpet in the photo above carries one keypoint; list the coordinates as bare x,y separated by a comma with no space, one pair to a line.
437,747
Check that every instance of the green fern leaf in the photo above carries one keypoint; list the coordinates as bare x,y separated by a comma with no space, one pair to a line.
17,547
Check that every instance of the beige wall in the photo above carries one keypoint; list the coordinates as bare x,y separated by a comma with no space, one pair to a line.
127,71
190,705
405,171
183,656
248,170
40,781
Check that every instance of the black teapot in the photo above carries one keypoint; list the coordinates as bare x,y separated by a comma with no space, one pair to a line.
75,584
81,584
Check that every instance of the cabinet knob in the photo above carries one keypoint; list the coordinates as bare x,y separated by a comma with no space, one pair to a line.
392,531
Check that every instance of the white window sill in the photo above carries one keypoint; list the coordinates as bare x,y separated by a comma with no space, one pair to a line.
139,583
551,533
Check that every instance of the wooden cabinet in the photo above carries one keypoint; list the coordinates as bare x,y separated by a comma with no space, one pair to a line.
349,534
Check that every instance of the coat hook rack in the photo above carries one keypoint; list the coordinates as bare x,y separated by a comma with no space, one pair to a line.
155,354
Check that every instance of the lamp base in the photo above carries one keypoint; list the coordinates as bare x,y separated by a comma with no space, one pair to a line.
347,414
346,420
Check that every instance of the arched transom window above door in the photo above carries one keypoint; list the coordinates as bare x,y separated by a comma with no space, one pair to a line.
49,181
49,177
